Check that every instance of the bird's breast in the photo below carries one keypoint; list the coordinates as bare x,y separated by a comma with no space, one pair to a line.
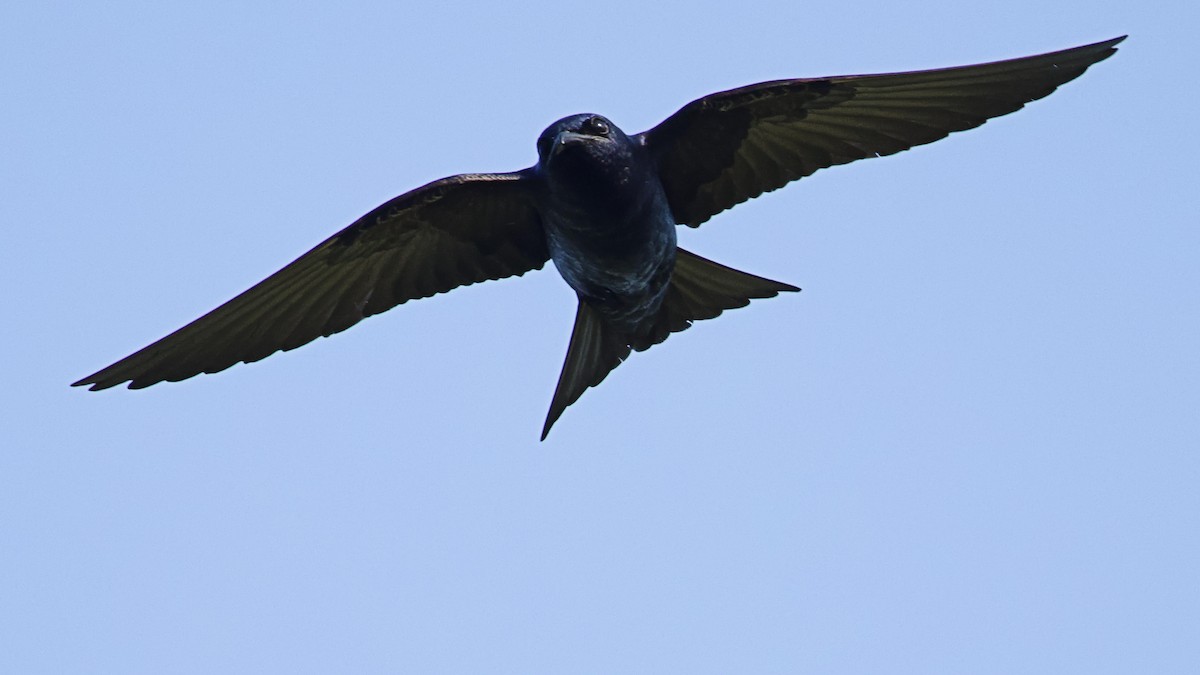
616,250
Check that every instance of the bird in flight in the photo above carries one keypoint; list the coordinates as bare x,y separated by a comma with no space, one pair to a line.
604,206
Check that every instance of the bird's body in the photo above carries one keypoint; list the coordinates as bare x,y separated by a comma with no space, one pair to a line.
604,206
608,226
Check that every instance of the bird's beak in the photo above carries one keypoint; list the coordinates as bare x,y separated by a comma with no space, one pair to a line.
565,138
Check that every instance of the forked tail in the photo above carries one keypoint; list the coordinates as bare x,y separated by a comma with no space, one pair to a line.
699,289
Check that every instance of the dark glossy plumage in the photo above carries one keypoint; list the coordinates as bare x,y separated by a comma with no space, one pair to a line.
604,206
728,147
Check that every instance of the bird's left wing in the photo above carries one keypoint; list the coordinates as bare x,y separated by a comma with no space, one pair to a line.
452,232
728,147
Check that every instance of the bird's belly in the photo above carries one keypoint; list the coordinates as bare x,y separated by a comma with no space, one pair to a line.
621,267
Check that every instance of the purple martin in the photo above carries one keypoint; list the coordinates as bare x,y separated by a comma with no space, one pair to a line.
604,206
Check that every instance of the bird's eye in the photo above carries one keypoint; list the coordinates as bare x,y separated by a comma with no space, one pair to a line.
596,126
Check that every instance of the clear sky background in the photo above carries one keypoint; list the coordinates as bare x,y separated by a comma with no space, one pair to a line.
970,445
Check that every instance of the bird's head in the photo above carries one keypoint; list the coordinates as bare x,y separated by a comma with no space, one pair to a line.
588,147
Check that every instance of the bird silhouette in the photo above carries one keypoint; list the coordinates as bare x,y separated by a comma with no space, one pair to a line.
604,206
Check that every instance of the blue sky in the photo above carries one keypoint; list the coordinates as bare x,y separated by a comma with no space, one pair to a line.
970,445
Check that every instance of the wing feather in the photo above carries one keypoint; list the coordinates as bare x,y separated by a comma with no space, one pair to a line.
728,147
452,232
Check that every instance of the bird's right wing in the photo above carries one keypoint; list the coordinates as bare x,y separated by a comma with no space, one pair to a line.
725,148
452,232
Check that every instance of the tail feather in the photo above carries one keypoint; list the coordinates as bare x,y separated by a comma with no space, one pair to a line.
596,349
702,289
699,289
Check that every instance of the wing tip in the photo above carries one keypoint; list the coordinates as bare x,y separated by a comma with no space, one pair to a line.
95,381
1106,48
